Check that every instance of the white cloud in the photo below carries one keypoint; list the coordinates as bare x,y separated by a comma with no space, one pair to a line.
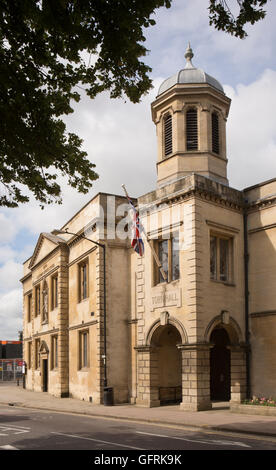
251,131
119,138
218,53
8,228
10,314
6,253
10,273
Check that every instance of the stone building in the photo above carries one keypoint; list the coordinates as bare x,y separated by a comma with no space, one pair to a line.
208,331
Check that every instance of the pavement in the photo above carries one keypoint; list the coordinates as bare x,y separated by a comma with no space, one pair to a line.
220,418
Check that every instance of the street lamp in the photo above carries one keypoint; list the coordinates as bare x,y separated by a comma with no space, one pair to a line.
108,397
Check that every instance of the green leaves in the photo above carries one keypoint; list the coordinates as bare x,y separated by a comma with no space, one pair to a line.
41,46
250,11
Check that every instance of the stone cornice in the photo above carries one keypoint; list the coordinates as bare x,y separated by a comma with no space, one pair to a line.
266,313
192,90
24,278
260,229
83,255
194,346
192,186
261,204
59,242
224,227
43,333
144,348
82,325
191,153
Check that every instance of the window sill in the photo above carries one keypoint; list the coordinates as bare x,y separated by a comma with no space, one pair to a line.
84,369
83,300
225,283
171,283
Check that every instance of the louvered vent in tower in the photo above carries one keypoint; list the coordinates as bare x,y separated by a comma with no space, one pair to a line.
191,129
215,133
168,135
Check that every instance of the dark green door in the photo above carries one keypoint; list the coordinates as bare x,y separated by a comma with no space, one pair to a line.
45,375
220,367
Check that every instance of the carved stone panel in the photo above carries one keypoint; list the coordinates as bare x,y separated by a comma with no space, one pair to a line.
166,298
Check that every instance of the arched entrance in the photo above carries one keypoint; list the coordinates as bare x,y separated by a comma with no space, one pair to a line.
220,365
166,377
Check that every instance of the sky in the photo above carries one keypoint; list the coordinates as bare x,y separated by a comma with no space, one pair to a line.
120,137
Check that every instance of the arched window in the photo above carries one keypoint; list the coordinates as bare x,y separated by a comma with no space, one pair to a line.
167,132
215,133
191,129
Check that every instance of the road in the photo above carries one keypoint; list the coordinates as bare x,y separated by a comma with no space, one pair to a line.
25,429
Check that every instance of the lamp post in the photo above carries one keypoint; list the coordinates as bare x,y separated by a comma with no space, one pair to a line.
108,393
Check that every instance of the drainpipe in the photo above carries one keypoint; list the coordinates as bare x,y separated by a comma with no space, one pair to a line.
246,303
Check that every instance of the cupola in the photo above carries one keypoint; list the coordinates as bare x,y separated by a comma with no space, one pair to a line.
190,113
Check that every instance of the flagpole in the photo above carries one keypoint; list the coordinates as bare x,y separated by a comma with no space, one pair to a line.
150,242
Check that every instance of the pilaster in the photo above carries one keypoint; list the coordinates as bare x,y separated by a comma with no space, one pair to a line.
195,377
147,373
238,374
100,325
63,319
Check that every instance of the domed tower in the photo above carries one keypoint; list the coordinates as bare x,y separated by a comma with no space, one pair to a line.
190,113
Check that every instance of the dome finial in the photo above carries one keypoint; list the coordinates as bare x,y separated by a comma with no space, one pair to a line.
188,56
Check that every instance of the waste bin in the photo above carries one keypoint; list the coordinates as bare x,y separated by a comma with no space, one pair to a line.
108,396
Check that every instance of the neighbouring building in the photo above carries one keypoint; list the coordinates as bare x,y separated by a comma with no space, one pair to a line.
206,333
10,349
10,360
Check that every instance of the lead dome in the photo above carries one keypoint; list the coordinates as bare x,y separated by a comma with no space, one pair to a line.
190,74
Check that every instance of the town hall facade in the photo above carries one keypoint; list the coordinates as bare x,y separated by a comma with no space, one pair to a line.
99,316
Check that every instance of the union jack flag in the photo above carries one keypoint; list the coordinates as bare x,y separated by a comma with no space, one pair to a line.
137,242
137,229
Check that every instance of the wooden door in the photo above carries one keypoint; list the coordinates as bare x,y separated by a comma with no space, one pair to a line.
220,368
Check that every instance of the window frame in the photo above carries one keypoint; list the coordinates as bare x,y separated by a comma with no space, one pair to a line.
54,352
158,279
84,348
29,307
54,291
37,300
83,296
37,354
218,274
30,347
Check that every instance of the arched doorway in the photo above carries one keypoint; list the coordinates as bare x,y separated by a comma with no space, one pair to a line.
166,376
220,365
44,354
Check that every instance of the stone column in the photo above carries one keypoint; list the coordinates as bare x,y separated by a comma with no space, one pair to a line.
99,314
132,361
63,324
179,129
204,128
147,377
195,377
238,373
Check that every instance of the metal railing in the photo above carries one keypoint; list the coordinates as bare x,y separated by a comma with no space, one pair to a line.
10,370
